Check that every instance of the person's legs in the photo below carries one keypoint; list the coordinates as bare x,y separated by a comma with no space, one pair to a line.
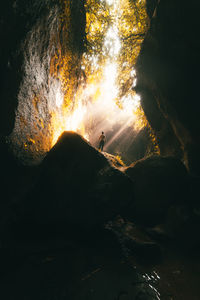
102,145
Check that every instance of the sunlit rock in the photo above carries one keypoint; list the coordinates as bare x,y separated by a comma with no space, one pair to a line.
115,161
41,46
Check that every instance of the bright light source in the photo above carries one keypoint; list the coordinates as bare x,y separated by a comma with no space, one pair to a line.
110,2
97,102
137,99
134,82
112,42
75,120
133,73
59,99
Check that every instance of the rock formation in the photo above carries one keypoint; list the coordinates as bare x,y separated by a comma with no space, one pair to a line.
159,182
48,210
39,41
77,189
168,75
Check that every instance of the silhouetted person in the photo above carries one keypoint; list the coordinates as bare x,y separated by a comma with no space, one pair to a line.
101,141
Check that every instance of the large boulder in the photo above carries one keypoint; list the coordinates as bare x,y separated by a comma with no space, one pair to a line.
77,189
158,183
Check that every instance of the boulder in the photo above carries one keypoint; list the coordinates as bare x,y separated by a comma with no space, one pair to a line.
77,189
158,183
135,241
182,225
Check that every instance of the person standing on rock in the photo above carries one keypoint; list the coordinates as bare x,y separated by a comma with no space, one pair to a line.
101,141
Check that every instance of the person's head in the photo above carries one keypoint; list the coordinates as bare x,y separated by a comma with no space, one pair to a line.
102,132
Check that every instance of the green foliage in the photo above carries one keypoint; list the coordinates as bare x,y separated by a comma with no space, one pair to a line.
133,25
131,20
97,23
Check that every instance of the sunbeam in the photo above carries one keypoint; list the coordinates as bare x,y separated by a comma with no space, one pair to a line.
89,89
97,106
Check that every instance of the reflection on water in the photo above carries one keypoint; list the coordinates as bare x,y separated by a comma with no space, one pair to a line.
151,279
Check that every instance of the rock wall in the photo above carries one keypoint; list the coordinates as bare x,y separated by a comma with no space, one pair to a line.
36,38
17,19
40,41
168,76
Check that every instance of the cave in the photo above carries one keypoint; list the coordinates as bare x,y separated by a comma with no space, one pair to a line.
77,222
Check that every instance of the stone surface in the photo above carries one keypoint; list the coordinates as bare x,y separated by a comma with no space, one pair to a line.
168,76
77,188
78,272
135,242
35,46
158,183
18,19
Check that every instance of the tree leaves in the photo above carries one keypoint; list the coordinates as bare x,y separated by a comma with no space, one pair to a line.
133,25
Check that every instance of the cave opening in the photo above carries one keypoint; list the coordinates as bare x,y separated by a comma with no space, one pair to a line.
89,84
76,223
